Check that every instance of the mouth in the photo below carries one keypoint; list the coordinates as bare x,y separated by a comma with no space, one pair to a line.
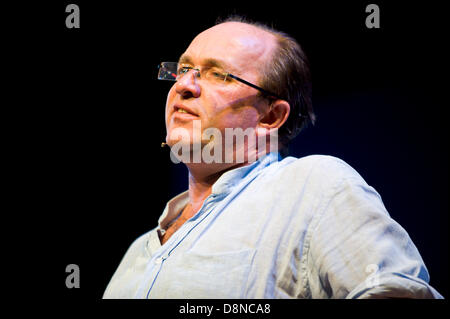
182,110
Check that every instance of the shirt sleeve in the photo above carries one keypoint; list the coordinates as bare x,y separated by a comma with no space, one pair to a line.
357,250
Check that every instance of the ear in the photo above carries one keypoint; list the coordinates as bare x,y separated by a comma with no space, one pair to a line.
276,116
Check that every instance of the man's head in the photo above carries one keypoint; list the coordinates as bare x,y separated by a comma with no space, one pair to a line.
252,52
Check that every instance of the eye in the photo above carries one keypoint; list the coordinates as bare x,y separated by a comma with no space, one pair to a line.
183,70
218,75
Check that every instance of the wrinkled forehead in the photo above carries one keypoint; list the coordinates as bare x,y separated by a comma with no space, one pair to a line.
242,47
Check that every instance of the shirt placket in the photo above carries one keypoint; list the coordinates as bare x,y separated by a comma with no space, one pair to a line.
186,228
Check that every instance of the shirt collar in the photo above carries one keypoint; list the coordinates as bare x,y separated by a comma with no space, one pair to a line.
229,179
173,208
221,187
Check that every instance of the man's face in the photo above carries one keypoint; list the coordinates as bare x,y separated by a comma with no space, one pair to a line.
235,48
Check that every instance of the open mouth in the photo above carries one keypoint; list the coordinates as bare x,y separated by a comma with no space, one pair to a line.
181,109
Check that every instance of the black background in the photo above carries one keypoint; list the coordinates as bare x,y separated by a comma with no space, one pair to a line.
89,116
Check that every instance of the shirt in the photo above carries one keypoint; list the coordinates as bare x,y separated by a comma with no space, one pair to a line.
278,228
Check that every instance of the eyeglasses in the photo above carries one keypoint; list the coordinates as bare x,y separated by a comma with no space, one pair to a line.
174,71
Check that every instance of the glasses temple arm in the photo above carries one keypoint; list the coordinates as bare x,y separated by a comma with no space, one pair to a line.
254,86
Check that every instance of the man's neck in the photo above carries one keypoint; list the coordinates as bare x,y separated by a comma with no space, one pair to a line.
201,179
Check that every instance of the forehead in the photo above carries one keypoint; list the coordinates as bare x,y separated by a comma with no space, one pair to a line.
238,45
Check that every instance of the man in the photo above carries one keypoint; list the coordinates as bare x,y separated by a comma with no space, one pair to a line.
254,224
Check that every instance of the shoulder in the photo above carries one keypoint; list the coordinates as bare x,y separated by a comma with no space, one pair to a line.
322,169
138,248
142,244
132,263
314,181
326,163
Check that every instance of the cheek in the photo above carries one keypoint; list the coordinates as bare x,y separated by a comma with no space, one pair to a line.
243,117
247,117
170,97
235,109
169,101
221,108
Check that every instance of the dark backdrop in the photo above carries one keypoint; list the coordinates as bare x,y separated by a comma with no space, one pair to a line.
96,174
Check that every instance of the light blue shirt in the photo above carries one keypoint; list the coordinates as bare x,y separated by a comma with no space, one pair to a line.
278,228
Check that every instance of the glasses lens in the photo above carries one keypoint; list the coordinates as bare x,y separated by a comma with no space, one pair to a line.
168,71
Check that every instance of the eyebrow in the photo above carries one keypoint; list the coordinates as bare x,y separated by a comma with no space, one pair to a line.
210,62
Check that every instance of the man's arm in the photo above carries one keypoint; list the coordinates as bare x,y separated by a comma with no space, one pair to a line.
357,251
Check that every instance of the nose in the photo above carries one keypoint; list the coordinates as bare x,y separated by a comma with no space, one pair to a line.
187,86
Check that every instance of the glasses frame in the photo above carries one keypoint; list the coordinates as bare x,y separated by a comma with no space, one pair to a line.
265,92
